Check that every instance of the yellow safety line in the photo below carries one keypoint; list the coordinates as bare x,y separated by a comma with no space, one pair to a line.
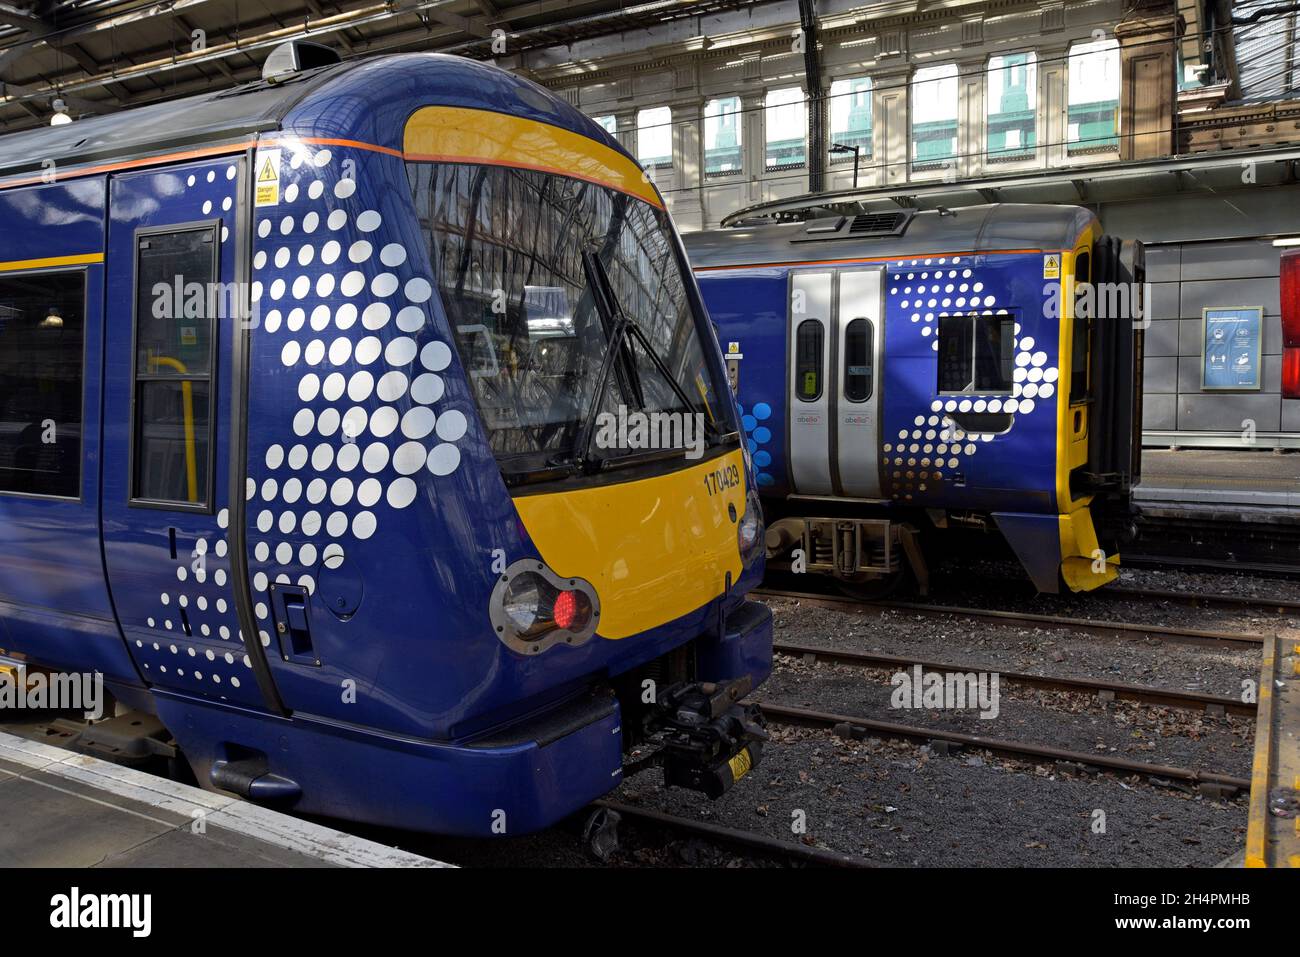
82,260
1257,822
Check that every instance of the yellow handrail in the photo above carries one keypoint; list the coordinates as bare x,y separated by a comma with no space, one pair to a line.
187,400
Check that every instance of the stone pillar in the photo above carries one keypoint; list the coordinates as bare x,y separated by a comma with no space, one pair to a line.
625,128
754,145
688,139
972,79
1053,105
1148,102
891,141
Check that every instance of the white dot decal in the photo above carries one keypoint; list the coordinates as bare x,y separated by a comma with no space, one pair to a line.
314,352
368,492
336,524
329,253
392,255
401,351
346,316
341,492
297,456
383,421
360,385
303,422
368,350
418,290
348,456
340,350
443,459
410,319
385,284
390,387
317,489
360,251
320,318
354,422
338,219
375,457
322,456
426,388
408,458
344,188
311,221
435,356
369,221
401,493
291,492
363,526
311,523
352,283
376,316
290,353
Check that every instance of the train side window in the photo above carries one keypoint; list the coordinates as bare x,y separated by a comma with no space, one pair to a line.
858,360
175,332
1079,338
42,348
976,354
808,360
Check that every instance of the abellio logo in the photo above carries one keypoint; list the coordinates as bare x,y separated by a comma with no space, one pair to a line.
76,910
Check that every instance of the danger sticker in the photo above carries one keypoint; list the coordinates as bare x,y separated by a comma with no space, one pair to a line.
267,184
1051,266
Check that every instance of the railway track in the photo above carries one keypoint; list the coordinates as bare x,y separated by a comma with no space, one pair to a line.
1254,603
1091,626
761,844
851,725
1106,690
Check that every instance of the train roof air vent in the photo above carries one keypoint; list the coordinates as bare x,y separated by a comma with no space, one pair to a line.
878,224
297,56
861,226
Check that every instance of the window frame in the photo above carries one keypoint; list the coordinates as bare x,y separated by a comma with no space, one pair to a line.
739,114
1021,154
84,271
1011,316
205,507
802,100
845,375
915,163
668,164
820,326
1081,147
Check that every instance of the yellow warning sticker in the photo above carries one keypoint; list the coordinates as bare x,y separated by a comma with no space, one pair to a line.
267,186
740,764
1052,266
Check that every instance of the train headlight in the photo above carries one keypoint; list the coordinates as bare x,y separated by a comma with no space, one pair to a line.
749,531
533,608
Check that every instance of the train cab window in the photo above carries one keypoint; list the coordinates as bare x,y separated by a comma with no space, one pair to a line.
1079,338
976,354
858,360
175,331
42,345
808,340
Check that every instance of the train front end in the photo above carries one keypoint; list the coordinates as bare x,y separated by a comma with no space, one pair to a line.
499,521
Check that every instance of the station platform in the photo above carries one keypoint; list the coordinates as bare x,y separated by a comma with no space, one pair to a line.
63,809
1217,477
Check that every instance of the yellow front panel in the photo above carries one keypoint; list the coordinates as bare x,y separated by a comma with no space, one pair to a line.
654,549
448,134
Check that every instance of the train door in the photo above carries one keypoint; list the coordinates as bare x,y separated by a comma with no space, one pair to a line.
836,335
173,303
860,330
811,344
1081,398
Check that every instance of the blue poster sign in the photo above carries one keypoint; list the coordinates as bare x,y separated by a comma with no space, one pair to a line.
1230,354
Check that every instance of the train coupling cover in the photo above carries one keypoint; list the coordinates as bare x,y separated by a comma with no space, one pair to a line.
708,739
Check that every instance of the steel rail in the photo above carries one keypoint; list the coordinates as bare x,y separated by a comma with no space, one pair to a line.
1187,700
789,714
736,837
1093,626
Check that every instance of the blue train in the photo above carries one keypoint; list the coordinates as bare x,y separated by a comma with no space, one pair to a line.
298,449
914,379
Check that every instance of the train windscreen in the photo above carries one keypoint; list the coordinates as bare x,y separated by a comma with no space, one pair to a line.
540,275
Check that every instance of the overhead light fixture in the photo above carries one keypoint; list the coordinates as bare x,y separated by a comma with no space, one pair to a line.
1287,241
60,117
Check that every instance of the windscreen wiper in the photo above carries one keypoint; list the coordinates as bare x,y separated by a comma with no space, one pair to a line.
635,329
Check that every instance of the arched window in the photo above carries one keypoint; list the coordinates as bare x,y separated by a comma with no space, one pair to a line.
1011,99
1093,122
934,114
